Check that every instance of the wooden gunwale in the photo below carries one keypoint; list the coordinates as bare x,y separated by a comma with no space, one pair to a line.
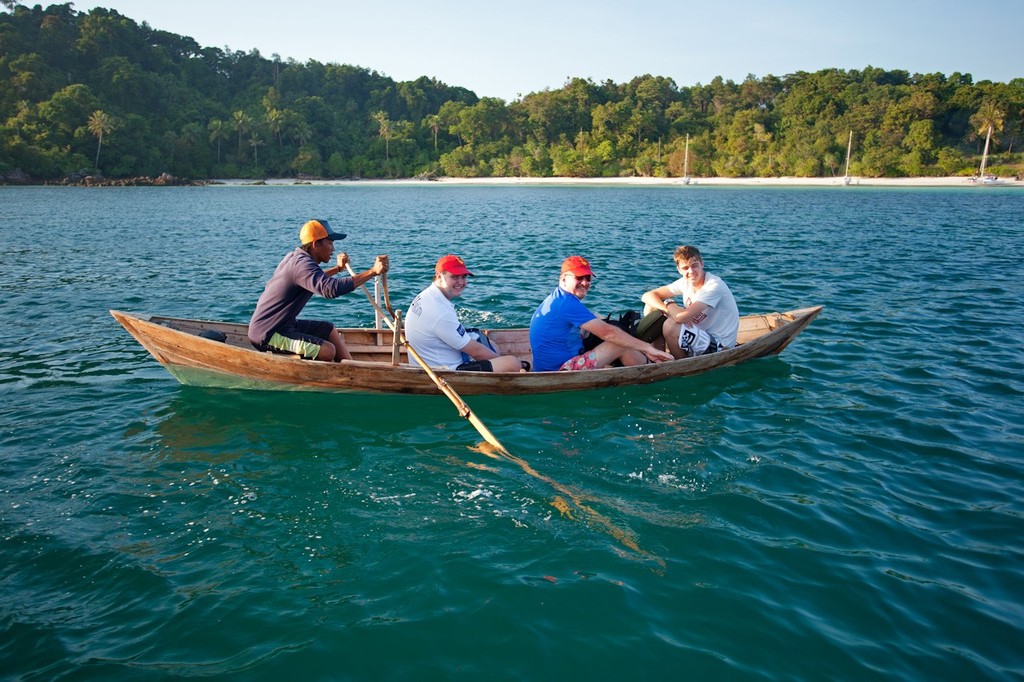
199,361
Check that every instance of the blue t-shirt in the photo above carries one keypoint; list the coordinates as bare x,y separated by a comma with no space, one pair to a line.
555,334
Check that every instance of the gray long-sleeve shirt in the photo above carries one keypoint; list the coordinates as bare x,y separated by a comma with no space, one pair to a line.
294,282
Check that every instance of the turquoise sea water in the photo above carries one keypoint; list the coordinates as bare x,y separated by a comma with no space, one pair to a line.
851,509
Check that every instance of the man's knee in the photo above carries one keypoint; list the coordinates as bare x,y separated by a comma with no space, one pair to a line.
327,352
506,363
608,352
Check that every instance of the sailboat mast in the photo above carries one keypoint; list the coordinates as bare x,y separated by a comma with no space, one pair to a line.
984,156
686,158
849,146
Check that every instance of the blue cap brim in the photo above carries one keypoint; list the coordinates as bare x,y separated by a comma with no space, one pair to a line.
331,234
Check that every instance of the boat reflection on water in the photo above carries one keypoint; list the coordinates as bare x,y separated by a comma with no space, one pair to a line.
225,424
417,445
219,425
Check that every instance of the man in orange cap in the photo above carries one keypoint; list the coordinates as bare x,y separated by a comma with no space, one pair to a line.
556,328
275,325
432,326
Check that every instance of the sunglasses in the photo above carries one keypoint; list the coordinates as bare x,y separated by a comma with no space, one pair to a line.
583,278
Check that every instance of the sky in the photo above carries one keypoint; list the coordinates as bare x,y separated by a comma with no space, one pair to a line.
510,49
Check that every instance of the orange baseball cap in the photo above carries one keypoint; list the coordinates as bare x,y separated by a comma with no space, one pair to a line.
577,265
316,230
452,265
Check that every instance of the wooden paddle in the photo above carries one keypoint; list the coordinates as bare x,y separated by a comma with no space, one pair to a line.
441,384
387,296
623,536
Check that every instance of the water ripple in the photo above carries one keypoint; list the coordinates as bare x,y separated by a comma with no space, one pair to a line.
849,509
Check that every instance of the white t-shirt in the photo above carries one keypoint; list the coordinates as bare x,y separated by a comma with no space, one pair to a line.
722,318
432,327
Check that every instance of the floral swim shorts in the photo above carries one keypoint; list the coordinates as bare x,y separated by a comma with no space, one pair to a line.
586,360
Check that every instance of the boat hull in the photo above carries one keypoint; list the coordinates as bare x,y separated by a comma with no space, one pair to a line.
379,366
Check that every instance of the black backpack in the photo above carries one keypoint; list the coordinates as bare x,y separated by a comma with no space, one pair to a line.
627,322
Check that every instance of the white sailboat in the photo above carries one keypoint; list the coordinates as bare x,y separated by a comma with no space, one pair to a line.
987,179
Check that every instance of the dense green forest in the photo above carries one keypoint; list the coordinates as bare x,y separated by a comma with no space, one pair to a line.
96,92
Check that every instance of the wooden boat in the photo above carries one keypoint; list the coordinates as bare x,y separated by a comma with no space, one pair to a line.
379,364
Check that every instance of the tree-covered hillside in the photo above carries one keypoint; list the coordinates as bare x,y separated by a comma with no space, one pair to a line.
97,92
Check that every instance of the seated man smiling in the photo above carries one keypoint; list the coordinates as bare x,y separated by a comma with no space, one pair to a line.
556,329
708,319
433,328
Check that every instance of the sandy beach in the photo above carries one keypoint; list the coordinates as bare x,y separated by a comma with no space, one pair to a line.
957,181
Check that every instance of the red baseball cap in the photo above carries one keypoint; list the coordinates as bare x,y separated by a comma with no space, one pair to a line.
577,265
453,265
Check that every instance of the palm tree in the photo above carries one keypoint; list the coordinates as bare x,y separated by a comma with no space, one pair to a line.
987,116
434,123
255,142
275,124
385,131
100,124
218,132
301,132
242,124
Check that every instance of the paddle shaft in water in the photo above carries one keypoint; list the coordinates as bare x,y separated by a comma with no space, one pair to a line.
441,384
623,536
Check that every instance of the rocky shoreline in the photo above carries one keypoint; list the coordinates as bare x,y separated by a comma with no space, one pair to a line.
17,177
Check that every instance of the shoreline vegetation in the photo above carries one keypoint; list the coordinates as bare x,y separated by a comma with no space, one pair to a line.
166,180
170,181
955,181
94,98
